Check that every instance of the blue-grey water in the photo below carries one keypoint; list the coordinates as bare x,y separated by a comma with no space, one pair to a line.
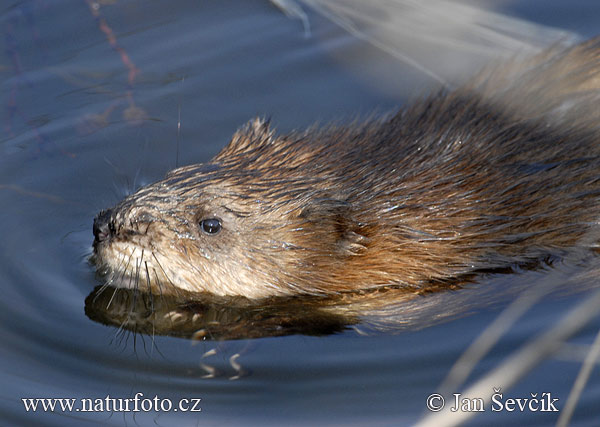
85,122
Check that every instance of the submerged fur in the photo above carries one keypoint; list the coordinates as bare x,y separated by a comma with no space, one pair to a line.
498,173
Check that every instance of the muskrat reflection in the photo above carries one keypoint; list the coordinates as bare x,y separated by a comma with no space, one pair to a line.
206,317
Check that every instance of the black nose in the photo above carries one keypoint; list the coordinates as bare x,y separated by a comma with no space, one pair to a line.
102,228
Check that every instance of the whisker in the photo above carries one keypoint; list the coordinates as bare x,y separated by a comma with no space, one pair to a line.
113,274
111,298
175,288
138,264
149,286
124,271
159,284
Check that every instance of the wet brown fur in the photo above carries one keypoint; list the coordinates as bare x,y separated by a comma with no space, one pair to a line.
501,172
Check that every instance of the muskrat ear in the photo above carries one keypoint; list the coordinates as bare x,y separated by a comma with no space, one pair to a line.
331,222
252,135
261,126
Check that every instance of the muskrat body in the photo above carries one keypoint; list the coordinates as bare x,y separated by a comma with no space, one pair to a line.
498,173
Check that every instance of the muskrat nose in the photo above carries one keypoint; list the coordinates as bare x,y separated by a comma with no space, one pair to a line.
102,227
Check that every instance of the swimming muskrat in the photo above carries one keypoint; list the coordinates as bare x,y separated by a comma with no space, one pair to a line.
501,172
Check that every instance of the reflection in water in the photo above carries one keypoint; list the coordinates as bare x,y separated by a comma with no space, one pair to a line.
390,310
207,317
67,92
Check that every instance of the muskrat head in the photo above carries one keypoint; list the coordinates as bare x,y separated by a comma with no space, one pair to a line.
248,223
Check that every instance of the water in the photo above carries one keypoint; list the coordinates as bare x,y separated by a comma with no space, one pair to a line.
71,145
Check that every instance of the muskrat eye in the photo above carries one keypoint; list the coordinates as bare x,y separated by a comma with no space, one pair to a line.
211,225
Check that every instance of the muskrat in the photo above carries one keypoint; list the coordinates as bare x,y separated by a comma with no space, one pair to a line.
499,173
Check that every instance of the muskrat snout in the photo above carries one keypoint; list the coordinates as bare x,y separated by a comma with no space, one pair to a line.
102,225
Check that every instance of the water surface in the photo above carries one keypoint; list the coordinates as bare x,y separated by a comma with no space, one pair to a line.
85,123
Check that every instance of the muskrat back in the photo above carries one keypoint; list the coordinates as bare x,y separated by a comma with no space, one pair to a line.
497,173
